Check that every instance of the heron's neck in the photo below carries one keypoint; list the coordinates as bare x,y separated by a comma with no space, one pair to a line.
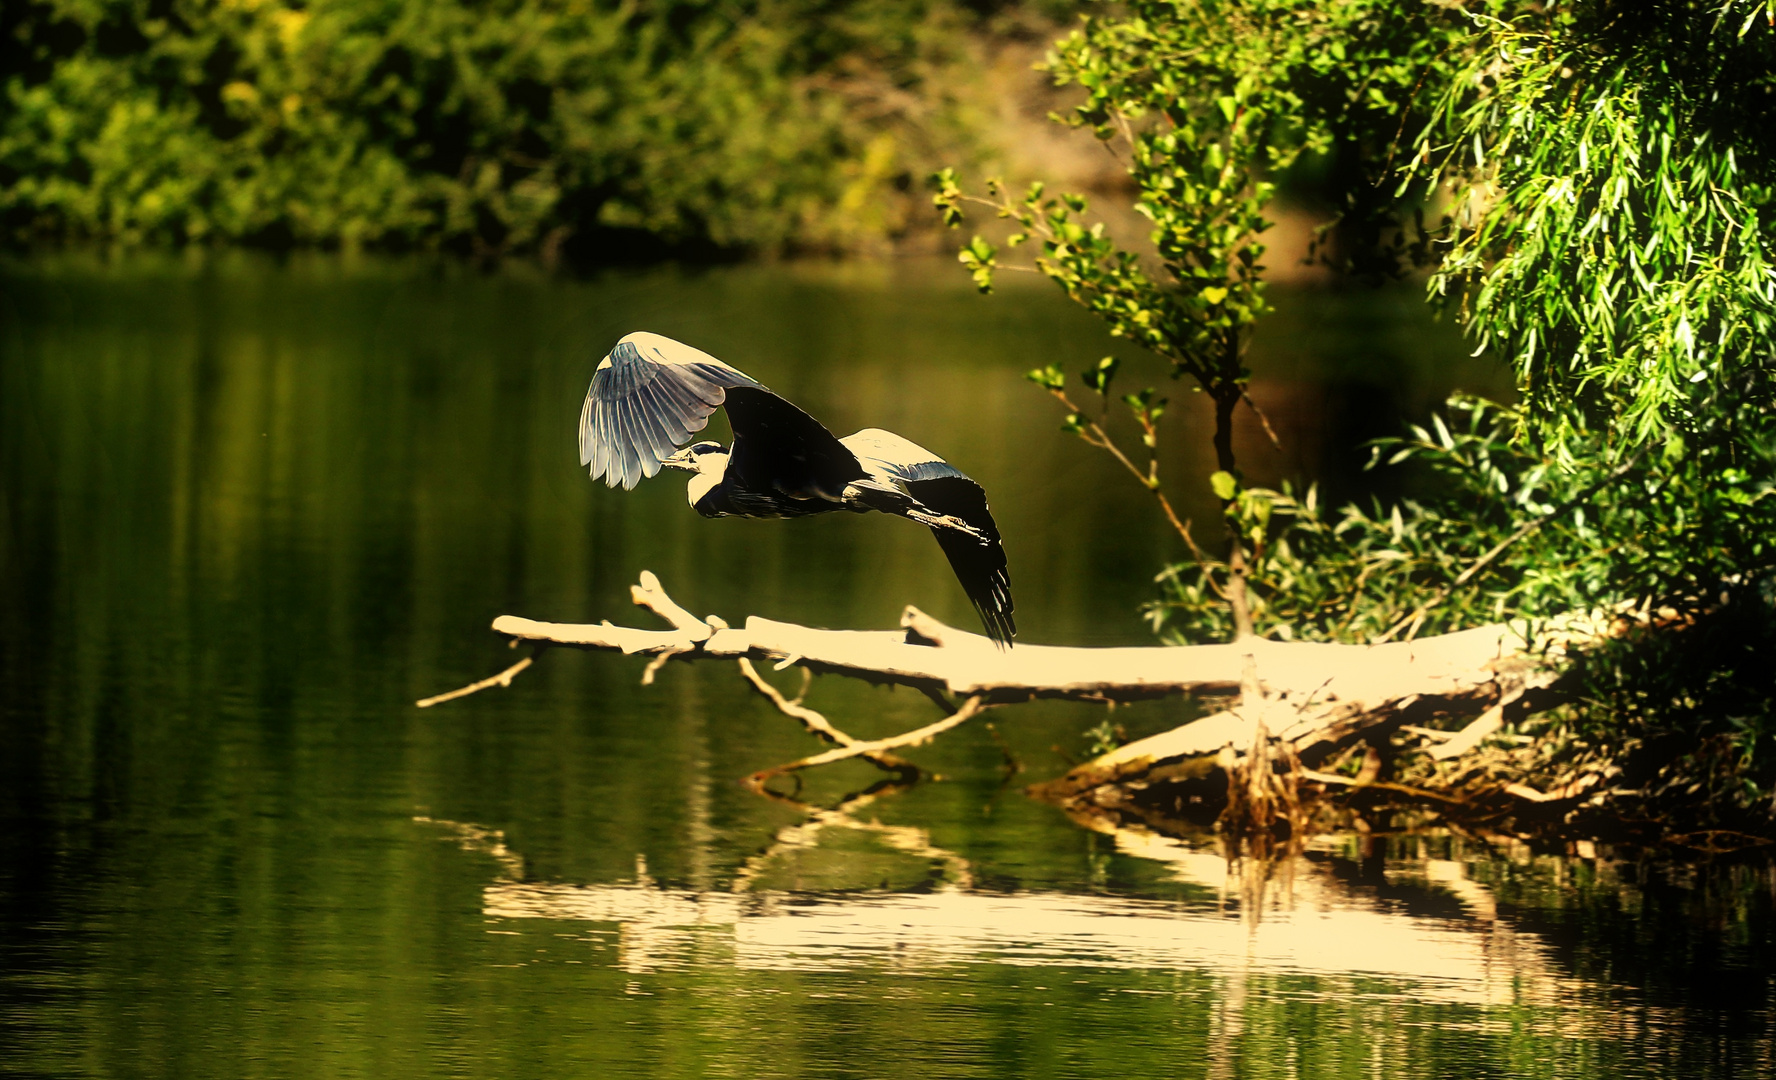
710,470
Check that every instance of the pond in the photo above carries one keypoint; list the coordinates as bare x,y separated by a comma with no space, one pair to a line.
250,510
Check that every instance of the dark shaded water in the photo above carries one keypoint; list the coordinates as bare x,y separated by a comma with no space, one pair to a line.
250,512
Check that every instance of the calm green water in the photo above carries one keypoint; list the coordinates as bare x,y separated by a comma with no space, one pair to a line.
249,512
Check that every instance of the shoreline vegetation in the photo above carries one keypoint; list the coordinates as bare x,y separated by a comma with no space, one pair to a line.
582,133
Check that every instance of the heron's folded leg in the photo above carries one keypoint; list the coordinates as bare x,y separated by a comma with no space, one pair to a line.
945,521
888,499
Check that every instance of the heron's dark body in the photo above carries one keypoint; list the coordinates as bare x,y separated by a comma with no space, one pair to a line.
783,463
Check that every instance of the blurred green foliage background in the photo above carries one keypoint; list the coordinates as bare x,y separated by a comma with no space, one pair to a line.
484,126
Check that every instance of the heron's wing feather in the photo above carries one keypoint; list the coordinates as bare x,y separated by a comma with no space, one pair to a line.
945,489
780,449
647,398
595,446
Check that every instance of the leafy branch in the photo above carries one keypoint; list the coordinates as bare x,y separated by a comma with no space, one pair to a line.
1147,410
1213,100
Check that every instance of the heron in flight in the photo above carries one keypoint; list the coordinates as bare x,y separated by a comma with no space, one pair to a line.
651,394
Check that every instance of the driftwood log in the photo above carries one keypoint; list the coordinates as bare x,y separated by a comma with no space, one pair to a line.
1300,700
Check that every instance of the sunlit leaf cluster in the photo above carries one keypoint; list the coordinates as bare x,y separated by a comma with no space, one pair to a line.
1613,181
1211,101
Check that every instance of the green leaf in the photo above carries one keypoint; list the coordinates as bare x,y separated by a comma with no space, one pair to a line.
1099,375
1226,487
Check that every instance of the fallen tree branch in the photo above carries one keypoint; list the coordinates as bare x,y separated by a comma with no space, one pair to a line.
934,655
1313,697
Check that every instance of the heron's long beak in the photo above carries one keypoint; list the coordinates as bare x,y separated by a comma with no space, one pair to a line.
684,459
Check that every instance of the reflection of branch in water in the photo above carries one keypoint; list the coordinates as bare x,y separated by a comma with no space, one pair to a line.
958,875
1258,884
1337,930
1328,928
482,841
1227,1022
1264,880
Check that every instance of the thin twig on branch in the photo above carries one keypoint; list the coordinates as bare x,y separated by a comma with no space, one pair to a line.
651,595
1263,420
1095,435
813,721
918,737
504,678
1377,785
659,661
1475,733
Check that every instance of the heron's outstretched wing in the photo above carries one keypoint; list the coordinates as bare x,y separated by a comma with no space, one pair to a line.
945,489
647,398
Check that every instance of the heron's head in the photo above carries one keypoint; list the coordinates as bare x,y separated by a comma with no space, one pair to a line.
699,457
709,460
